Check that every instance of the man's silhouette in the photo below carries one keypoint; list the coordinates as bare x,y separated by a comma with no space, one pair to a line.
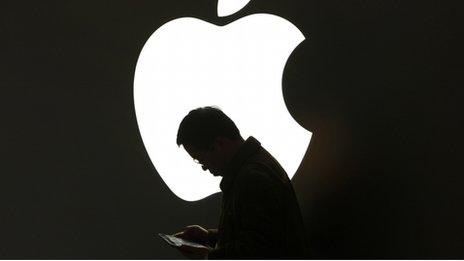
260,216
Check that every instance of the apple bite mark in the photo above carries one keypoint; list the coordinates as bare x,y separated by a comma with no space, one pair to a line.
230,7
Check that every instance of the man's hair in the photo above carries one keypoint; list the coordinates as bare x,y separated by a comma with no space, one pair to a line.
202,125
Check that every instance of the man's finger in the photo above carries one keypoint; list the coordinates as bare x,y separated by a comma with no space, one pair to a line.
180,235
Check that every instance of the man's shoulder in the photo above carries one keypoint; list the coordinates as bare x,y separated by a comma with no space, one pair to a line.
258,163
254,171
259,169
263,163
260,159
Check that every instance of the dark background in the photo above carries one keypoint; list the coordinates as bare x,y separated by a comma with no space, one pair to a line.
378,82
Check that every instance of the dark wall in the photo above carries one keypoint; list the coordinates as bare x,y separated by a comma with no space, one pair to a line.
377,82
379,85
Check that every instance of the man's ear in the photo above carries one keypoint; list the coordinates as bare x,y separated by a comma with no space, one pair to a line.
219,142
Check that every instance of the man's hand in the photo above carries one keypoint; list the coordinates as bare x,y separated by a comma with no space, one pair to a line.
195,252
194,233
197,234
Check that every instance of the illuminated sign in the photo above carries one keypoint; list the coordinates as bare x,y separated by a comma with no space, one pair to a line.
189,63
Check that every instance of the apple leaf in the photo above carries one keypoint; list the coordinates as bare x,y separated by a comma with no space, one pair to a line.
229,7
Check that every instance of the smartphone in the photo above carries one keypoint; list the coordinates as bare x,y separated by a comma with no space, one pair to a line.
178,242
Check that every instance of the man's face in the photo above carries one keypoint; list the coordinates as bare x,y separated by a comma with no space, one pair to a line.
209,159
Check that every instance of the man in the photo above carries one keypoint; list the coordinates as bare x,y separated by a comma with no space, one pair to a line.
260,216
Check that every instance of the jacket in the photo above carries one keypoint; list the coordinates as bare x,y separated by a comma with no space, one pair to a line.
260,216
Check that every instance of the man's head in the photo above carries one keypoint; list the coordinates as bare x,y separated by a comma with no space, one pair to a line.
210,137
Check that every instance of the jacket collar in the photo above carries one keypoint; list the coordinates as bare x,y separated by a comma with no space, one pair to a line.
248,148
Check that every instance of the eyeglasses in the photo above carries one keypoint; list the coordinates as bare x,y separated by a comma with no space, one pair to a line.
198,161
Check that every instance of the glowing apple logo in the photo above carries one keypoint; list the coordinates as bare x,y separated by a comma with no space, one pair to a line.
188,63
